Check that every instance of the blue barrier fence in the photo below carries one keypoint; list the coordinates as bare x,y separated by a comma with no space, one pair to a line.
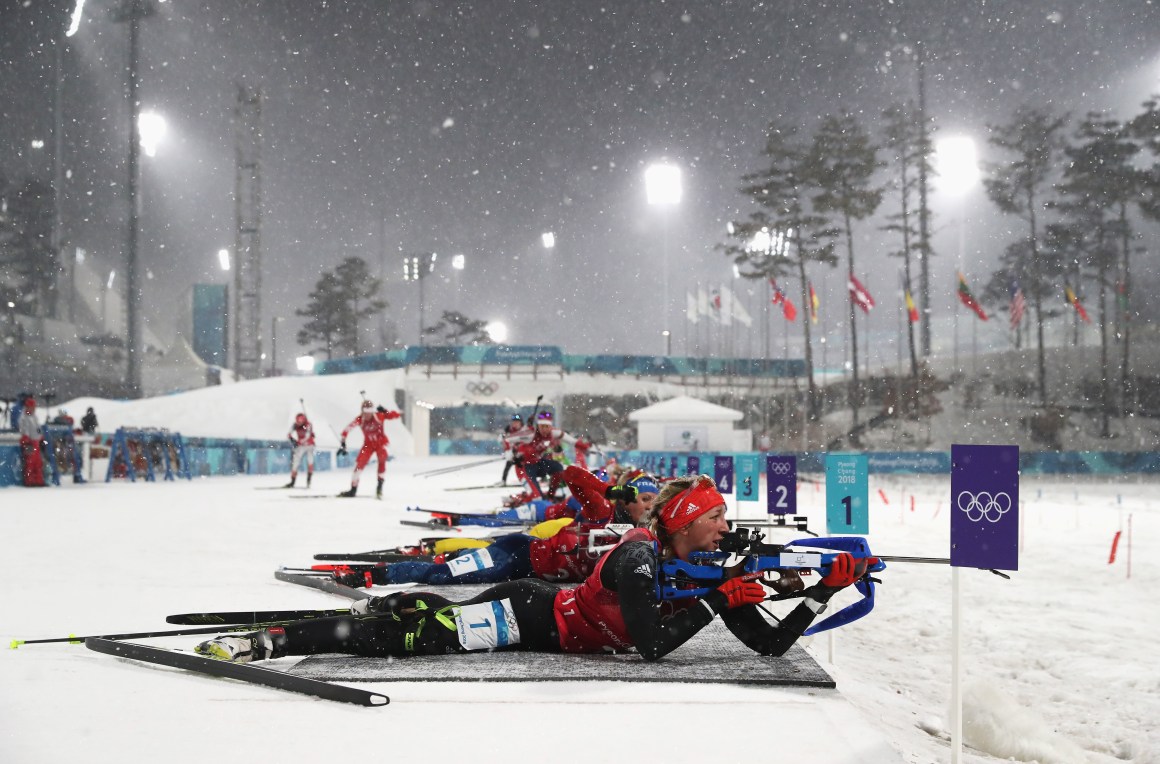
206,456
550,355
921,462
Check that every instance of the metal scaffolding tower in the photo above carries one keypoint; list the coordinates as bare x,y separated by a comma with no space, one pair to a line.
247,318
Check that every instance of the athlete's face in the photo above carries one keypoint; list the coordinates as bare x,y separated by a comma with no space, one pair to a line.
704,534
639,508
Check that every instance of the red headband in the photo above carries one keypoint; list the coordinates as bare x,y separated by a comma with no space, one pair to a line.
693,502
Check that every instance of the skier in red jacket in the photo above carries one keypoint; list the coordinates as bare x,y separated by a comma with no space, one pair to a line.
375,441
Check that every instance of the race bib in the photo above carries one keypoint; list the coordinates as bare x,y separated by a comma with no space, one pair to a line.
800,559
477,559
487,625
526,512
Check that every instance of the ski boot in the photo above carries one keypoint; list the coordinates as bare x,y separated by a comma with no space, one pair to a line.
349,494
241,649
379,489
293,480
309,477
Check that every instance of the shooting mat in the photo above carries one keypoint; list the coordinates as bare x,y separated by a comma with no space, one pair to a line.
713,656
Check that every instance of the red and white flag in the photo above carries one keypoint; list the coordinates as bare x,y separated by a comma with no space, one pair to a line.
860,295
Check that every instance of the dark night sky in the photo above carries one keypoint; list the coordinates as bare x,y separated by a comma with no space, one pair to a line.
473,127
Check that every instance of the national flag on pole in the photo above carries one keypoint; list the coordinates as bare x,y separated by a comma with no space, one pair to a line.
1122,297
691,312
1018,305
968,299
703,302
715,303
779,298
736,308
1073,300
859,295
911,310
813,304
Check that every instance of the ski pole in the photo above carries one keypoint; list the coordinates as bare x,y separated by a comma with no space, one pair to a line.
458,467
144,634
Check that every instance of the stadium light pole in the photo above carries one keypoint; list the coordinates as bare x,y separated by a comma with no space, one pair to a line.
132,12
417,268
274,321
662,182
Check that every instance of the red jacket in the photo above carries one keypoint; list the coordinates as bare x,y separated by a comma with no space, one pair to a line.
588,617
372,428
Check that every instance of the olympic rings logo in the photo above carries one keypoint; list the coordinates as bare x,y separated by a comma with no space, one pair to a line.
482,388
779,468
984,505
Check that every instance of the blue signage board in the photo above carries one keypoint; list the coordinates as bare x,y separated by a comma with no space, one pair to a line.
847,494
781,484
985,507
723,474
749,477
693,465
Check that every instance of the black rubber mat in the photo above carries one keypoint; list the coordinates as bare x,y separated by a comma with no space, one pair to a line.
714,656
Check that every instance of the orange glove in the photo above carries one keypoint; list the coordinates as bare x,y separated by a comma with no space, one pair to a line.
743,590
845,570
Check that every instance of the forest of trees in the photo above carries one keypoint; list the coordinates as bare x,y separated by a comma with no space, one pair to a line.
1080,190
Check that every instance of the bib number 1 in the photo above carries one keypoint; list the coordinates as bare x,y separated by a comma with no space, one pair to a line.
487,625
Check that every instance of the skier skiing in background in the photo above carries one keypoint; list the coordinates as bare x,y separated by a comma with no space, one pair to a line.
302,438
31,439
375,441
514,434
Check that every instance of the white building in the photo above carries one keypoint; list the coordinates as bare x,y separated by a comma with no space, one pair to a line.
689,424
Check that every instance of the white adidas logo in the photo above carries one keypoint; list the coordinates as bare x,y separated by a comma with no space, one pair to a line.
644,570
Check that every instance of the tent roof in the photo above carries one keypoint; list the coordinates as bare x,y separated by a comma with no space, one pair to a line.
685,409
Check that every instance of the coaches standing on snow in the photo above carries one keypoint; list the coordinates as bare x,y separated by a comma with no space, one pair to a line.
89,423
30,440
375,441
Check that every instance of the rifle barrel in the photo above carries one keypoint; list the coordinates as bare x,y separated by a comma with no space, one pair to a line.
930,560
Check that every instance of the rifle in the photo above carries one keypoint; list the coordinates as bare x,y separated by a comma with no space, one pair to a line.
679,579
705,570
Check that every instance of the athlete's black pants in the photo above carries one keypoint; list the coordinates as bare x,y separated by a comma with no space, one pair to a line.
385,634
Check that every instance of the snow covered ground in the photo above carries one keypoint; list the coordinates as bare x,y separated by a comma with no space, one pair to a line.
1060,661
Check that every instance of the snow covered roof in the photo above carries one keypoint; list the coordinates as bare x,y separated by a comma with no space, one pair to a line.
685,409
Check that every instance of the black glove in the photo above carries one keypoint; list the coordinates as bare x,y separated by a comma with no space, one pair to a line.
626,493
292,441
381,410
558,449
342,448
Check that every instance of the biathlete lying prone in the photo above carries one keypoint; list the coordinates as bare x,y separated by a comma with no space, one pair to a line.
615,609
555,550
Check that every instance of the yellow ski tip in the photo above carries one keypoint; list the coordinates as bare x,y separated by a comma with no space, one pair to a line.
16,643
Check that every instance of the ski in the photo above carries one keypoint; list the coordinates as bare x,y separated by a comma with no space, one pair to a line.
280,488
384,556
322,583
244,672
73,639
334,496
252,617
440,518
480,487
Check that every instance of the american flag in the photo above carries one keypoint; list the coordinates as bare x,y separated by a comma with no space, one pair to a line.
1018,305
